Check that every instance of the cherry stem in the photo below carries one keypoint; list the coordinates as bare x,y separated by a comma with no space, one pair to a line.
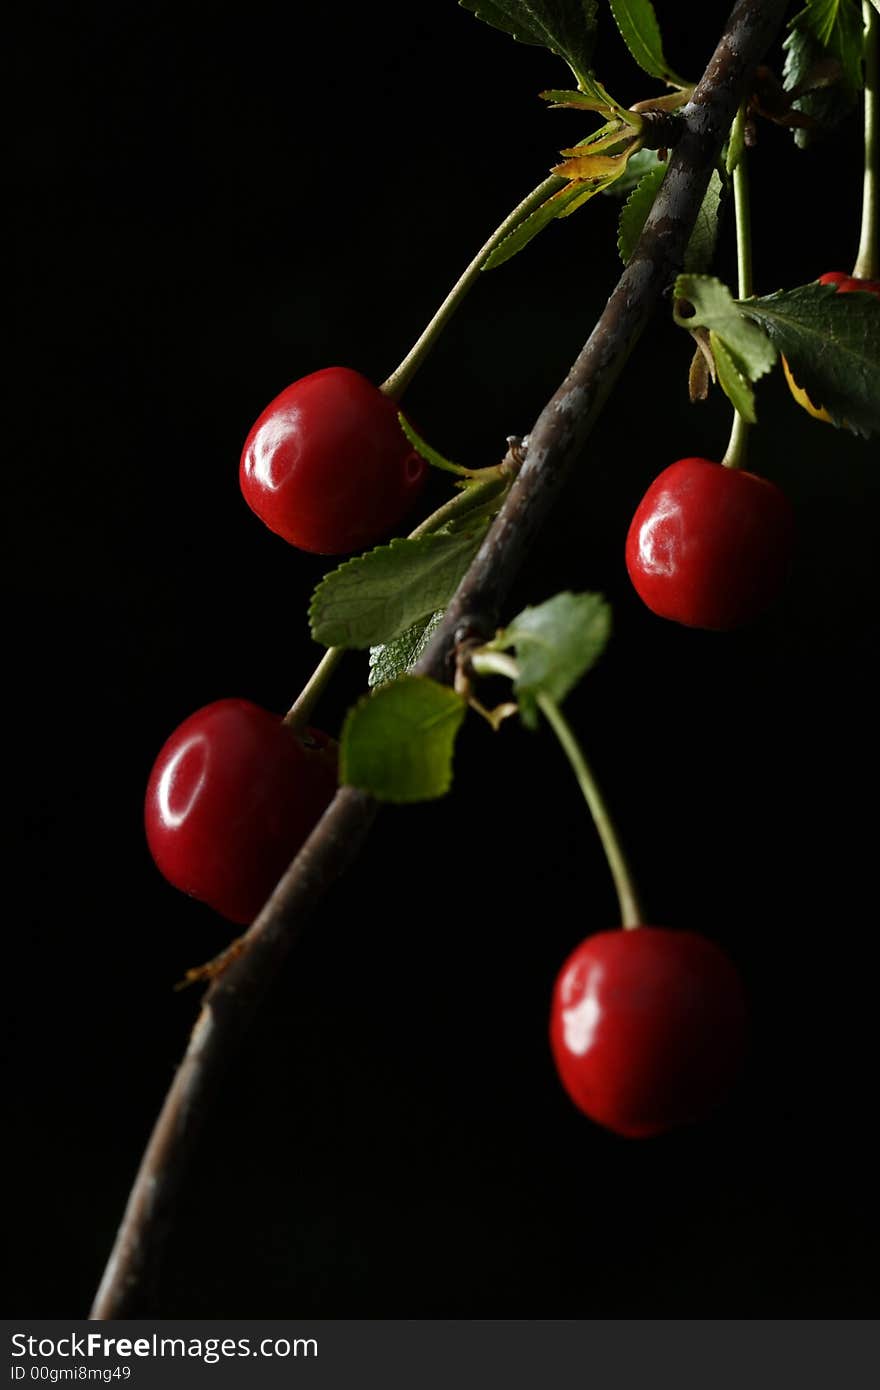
431,456
743,215
631,914
400,378
737,445
485,484
489,663
867,266
300,711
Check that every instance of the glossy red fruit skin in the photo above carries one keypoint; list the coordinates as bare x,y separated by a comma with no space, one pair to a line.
231,797
647,1028
327,465
847,283
710,547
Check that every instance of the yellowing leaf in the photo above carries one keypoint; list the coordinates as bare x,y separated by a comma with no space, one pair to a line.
593,166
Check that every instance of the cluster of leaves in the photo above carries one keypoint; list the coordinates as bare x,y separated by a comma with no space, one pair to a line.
391,598
554,645
398,741
387,593
823,76
824,47
568,28
701,247
824,52
831,342
604,158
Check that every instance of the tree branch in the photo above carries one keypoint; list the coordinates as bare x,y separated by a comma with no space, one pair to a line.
554,445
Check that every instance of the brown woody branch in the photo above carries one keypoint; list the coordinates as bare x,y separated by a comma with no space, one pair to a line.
554,444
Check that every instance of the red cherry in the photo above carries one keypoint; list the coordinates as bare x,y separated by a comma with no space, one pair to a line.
647,1028
847,283
232,796
850,283
710,546
327,465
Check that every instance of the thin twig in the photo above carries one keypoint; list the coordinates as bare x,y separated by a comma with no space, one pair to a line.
554,445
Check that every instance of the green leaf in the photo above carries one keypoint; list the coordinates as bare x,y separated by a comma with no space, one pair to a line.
566,197
613,135
388,660
592,91
566,27
700,248
640,32
825,31
565,201
831,342
430,455
732,379
398,742
533,224
837,26
715,308
819,18
376,597
592,96
555,644
635,211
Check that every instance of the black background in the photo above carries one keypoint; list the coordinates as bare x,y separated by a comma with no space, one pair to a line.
210,202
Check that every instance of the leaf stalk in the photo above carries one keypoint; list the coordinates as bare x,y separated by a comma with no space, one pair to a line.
631,914
867,266
737,445
489,663
400,378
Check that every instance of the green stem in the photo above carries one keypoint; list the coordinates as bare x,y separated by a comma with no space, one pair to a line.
737,445
402,375
495,664
431,455
489,483
472,496
742,213
867,266
631,914
489,663
297,717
